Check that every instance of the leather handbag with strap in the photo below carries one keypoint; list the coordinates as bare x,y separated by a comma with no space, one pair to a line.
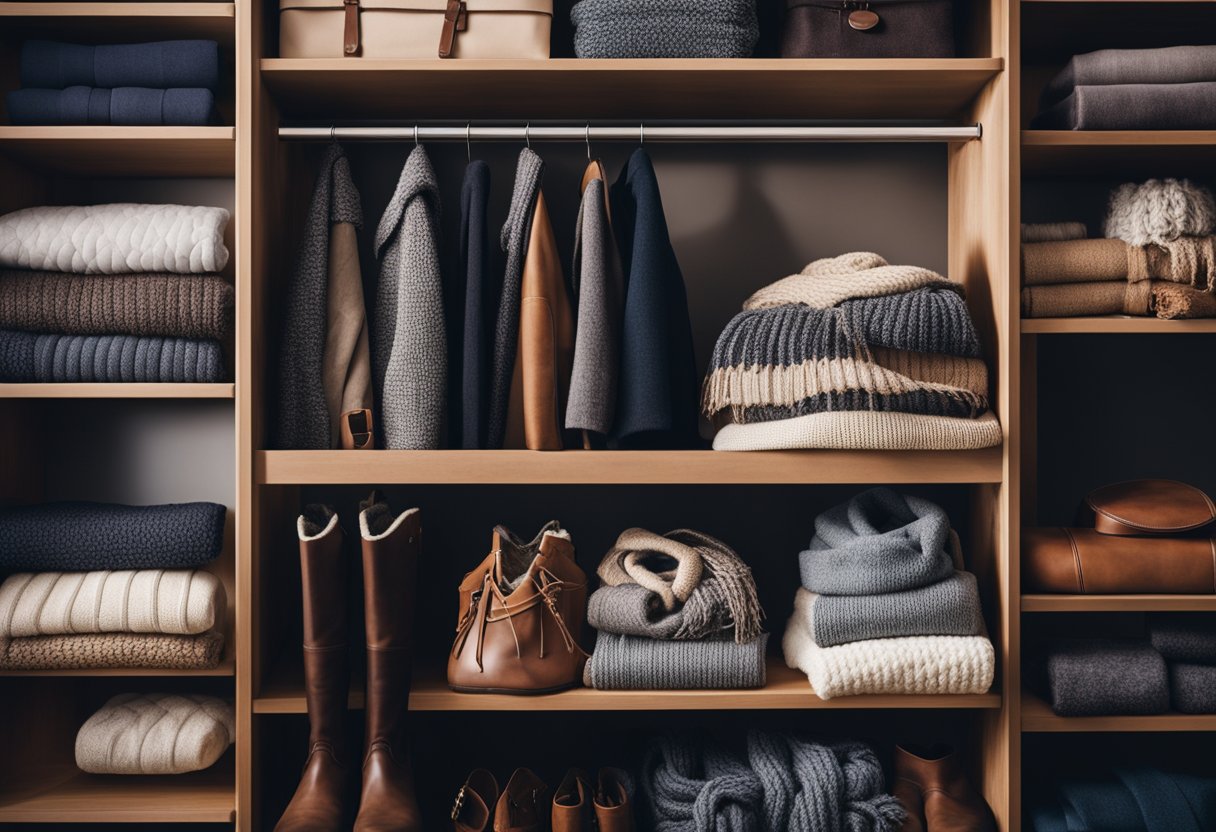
480,29
521,618
868,29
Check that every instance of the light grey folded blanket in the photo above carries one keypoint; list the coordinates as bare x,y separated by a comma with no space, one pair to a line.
623,662
946,608
1106,67
27,357
1096,677
1133,107
664,28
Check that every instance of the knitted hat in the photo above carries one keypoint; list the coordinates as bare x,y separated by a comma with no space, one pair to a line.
1160,210
859,274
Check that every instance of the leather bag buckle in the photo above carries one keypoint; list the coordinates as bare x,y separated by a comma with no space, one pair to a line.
455,19
350,29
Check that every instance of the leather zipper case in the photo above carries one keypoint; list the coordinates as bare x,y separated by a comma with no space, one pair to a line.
868,29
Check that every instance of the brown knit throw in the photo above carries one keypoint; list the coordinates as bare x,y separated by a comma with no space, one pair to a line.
102,650
178,305
1190,261
1067,300
1174,301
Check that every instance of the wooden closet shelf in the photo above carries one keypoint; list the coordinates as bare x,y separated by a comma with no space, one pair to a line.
1119,603
117,391
124,151
97,22
68,795
329,89
226,667
786,690
1116,153
1037,717
626,467
1114,325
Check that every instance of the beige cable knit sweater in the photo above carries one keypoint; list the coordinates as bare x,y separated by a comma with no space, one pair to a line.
832,280
172,601
155,733
863,430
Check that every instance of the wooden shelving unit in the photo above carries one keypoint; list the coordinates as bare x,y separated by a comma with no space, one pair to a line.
226,668
1119,603
1133,153
123,151
117,391
133,21
1037,717
1114,326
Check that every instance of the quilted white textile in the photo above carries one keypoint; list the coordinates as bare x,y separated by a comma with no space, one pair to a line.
155,733
118,238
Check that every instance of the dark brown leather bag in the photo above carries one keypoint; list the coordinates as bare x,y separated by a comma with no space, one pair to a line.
868,29
521,618
1148,507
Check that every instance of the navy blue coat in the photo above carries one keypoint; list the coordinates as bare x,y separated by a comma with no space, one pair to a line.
480,302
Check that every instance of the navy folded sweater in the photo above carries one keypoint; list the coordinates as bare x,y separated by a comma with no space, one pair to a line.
161,65
131,106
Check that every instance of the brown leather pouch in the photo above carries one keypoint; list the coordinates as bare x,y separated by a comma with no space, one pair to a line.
1148,507
868,29
1085,561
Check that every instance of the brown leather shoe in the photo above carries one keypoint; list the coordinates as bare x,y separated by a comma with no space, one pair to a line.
572,811
473,810
391,544
317,805
522,613
613,811
523,805
935,791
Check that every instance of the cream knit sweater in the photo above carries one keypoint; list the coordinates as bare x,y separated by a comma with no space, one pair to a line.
863,430
831,280
909,665
156,733
171,601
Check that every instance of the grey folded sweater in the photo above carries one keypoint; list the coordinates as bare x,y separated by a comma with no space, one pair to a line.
29,357
1184,636
622,662
1106,67
1133,107
1193,688
1097,677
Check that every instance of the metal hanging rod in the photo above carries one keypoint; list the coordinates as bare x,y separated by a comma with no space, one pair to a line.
641,133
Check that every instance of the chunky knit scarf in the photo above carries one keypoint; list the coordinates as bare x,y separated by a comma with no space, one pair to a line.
859,274
664,28
784,785
792,360
1160,211
696,587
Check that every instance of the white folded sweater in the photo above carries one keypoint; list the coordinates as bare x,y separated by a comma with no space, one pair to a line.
908,665
863,430
156,733
170,601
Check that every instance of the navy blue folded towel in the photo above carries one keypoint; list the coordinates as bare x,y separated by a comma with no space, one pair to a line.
30,357
189,107
162,65
81,537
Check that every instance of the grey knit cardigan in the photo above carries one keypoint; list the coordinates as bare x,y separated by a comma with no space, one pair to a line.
409,340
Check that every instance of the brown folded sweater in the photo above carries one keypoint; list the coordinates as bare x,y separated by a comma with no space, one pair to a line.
1189,260
177,305
1172,300
1067,300
125,650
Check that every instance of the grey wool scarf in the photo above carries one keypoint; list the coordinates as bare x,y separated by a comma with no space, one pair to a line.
303,420
409,339
623,662
664,28
784,784
514,240
696,587
879,541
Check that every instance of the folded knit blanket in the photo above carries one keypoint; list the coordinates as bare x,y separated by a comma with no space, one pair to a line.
162,64
692,586
623,662
910,665
155,733
863,430
1133,107
1184,636
1134,800
1193,688
81,537
1159,211
1068,300
1095,677
664,28
27,357
950,607
1172,301
783,785
119,238
129,106
791,360
1105,67
859,274
1046,232
879,541
184,306
112,650
1187,260
177,601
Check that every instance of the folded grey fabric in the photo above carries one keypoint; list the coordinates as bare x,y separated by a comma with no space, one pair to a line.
664,28
631,609
121,106
1184,636
161,65
1096,677
27,357
82,537
1193,688
1133,107
1108,67
623,662
950,607
1133,800
879,541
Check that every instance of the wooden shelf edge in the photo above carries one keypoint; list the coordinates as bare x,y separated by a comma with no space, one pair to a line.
1038,718
117,391
1118,603
226,668
1116,138
1115,325
138,9
590,65
103,133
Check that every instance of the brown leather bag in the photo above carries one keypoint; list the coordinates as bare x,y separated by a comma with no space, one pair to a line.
521,618
1148,507
868,29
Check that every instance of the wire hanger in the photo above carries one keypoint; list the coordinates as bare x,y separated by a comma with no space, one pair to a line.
416,142
527,136
333,132
468,145
588,138
642,135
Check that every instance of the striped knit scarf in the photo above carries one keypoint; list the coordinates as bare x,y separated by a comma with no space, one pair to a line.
915,352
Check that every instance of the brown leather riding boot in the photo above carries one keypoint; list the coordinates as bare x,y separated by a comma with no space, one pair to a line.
390,568
318,802
613,812
473,810
572,804
931,784
523,805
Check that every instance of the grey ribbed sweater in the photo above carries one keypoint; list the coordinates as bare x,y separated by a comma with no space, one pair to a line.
623,662
26,357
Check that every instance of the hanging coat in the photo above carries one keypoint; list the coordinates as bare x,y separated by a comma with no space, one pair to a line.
409,344
325,391
598,290
658,400
480,299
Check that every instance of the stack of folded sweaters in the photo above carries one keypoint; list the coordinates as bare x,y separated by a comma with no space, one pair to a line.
170,82
1158,257
1187,642
1134,799
98,585
1133,89
884,605
114,293
851,353
675,611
